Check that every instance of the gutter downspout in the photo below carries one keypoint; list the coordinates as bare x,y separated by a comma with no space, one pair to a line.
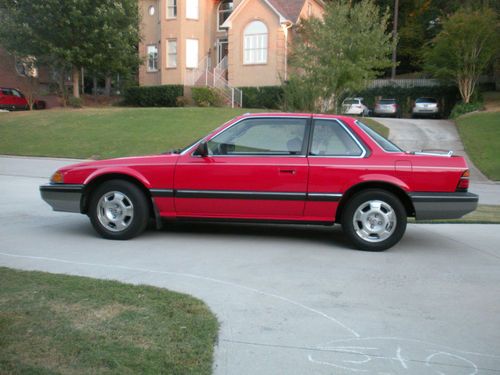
286,25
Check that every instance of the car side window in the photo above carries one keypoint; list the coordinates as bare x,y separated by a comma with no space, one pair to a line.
263,136
330,138
17,93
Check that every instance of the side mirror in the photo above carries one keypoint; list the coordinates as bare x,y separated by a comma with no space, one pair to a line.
202,149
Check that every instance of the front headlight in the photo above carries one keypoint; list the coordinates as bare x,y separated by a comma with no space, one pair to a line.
57,178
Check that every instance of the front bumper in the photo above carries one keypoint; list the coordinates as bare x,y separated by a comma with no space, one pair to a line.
63,197
443,205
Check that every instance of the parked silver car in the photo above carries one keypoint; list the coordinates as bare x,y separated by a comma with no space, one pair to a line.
387,107
426,107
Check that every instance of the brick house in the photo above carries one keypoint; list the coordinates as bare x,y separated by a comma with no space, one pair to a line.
10,77
222,43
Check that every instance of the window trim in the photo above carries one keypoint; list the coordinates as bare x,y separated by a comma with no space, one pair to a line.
148,69
169,6
168,66
363,148
254,49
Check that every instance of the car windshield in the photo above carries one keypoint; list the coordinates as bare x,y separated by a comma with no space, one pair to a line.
387,101
380,140
351,101
426,100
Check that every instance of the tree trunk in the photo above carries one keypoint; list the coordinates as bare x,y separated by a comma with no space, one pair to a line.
107,88
94,84
76,82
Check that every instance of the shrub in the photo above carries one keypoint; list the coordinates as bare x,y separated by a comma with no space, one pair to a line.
206,97
270,97
463,108
447,96
182,101
300,95
75,102
153,96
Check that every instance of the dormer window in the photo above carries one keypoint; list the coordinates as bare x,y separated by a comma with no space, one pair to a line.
224,11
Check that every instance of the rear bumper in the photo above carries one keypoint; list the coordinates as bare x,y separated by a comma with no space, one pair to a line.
63,197
443,205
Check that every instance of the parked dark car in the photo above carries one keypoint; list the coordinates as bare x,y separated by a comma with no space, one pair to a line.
426,107
14,100
387,107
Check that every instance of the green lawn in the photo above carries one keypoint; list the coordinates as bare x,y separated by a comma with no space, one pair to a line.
101,133
480,133
106,132
54,324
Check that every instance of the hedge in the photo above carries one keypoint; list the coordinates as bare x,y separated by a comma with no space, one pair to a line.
153,96
270,97
447,96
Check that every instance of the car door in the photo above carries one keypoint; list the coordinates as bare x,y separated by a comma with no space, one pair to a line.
255,169
18,99
335,159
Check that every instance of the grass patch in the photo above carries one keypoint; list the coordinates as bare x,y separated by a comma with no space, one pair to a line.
101,133
485,214
480,133
51,324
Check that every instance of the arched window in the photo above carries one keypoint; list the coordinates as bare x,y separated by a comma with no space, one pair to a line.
224,11
255,43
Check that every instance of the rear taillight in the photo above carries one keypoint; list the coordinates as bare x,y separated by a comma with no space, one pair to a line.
463,183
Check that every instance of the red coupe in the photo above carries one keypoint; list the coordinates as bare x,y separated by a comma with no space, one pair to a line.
277,167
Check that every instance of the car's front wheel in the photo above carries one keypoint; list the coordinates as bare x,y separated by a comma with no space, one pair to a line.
374,220
118,210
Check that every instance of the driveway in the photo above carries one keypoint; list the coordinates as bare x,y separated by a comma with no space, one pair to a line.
412,135
291,300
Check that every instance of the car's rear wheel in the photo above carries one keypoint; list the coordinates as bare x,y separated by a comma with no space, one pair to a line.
374,220
118,210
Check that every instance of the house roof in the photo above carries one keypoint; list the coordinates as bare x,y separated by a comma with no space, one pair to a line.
289,9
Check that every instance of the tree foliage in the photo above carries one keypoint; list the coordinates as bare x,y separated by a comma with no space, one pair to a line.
100,35
464,48
341,52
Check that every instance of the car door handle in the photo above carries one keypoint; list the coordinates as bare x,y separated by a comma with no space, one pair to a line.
288,171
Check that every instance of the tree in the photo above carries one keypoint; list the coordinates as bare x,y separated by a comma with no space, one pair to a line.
464,48
343,51
78,33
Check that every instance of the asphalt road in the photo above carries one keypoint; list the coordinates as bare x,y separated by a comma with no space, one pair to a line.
291,300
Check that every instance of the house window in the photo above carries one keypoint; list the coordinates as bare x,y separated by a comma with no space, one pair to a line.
192,9
171,53
171,8
255,43
152,58
191,53
224,11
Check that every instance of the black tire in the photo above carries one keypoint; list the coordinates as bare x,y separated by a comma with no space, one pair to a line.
114,200
394,223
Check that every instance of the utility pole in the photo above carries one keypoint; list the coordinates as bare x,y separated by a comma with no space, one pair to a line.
395,39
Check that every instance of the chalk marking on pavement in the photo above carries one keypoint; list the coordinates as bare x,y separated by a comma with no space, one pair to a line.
193,276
